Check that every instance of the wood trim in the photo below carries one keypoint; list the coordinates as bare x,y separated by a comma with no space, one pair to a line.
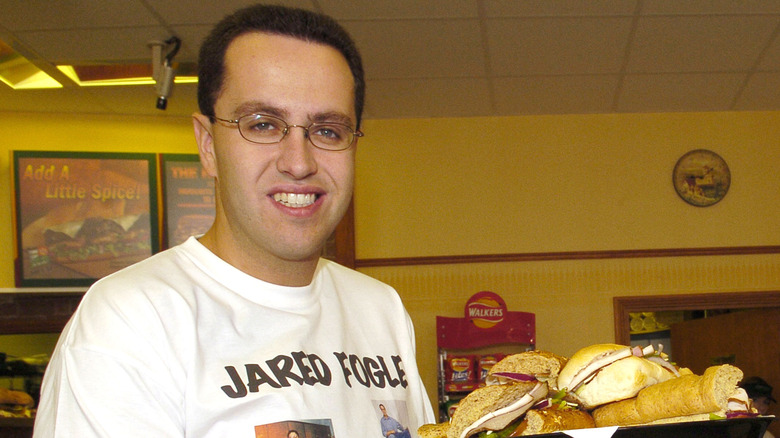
571,255
37,312
653,303
345,238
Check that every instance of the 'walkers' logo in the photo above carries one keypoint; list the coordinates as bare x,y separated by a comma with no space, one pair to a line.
485,309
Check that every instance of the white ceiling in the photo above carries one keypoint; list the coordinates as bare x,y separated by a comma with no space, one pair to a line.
445,58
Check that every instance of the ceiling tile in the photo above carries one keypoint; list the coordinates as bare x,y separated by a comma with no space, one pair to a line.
762,92
399,9
445,59
555,94
679,92
209,11
558,8
410,98
771,57
94,45
557,45
709,7
73,14
419,48
191,38
699,44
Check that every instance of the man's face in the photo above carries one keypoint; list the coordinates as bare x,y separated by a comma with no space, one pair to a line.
761,404
300,83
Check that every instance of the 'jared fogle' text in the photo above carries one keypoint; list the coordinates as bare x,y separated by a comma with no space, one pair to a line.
309,369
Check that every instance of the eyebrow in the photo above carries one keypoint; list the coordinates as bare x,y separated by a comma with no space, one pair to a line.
255,107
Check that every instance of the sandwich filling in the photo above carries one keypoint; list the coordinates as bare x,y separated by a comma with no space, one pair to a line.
498,419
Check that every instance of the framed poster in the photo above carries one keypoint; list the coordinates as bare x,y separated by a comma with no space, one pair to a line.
82,215
188,198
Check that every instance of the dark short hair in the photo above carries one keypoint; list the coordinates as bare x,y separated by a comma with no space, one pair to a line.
279,20
757,387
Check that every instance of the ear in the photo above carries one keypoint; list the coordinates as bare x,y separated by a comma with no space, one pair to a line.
205,139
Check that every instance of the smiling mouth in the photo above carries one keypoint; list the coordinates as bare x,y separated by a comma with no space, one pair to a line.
295,200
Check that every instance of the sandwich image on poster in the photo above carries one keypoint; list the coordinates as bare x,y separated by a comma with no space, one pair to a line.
82,216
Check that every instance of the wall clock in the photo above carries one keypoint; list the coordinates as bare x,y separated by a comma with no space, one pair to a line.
701,177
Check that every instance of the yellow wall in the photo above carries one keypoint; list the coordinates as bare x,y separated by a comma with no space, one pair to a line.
513,185
560,183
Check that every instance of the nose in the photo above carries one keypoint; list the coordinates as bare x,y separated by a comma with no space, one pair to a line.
297,154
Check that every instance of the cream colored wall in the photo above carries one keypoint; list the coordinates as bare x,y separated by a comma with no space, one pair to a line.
513,185
560,183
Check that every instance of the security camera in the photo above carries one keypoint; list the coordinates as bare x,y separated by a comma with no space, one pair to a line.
164,86
162,69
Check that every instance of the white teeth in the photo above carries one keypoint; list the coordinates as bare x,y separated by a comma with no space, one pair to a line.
295,200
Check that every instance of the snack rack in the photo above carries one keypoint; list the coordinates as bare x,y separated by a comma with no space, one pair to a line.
469,346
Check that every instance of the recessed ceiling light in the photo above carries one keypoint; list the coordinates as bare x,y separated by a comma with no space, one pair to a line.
19,73
122,74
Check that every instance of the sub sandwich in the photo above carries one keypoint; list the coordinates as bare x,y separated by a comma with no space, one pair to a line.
686,398
514,402
605,373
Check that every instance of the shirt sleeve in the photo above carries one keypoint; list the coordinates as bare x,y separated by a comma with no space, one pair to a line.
107,378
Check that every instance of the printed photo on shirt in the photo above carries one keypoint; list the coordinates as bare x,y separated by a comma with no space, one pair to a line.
393,418
296,429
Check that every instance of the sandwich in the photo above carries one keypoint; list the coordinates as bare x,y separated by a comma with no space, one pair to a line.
494,407
15,403
687,398
605,373
528,366
536,421
514,401
97,238
545,416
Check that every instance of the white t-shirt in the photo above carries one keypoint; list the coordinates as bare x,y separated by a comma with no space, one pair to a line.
184,344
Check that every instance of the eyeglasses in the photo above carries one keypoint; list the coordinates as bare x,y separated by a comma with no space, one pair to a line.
264,129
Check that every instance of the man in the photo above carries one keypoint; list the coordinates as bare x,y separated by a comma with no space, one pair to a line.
246,325
761,393
391,428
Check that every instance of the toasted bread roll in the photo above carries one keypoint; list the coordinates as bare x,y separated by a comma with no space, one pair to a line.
683,396
438,430
541,365
617,380
538,421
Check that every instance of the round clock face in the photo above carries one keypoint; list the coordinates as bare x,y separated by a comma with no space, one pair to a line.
701,177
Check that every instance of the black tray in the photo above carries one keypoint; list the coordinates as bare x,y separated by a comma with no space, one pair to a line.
731,428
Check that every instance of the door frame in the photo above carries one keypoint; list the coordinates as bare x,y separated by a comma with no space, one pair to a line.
653,303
